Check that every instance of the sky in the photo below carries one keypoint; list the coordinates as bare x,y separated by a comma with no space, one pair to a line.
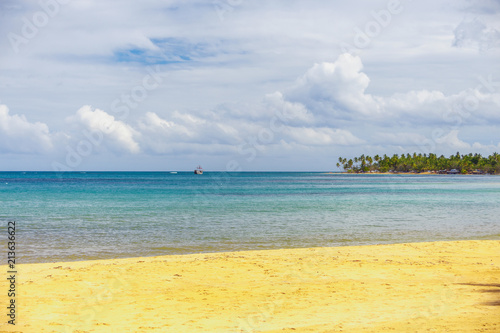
240,85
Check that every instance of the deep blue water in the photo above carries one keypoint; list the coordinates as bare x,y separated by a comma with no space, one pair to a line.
98,215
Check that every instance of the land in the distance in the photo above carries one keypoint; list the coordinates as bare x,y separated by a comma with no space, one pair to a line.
423,163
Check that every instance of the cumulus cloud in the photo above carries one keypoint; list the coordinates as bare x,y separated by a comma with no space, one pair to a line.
19,135
114,134
184,130
335,89
335,93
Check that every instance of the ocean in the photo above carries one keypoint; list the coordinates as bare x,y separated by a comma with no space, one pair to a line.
100,215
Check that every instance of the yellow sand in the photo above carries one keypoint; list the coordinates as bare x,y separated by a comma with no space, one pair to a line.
420,287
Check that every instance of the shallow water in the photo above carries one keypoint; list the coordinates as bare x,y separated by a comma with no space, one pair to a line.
99,215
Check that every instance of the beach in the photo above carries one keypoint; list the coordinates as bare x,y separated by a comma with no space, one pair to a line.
416,287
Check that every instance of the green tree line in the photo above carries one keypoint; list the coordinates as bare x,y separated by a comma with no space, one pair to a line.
465,164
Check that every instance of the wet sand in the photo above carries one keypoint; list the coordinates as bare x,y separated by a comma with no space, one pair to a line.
418,287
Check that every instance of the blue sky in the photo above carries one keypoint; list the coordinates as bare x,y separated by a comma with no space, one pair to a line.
244,85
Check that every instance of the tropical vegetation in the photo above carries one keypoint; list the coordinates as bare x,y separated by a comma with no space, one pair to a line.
417,163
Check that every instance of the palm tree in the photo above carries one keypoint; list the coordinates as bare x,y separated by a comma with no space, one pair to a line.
419,162
370,162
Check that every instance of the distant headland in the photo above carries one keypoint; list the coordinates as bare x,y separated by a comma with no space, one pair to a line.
423,163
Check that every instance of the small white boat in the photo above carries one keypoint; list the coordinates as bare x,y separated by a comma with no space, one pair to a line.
174,172
198,170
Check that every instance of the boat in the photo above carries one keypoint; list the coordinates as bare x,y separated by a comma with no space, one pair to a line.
198,170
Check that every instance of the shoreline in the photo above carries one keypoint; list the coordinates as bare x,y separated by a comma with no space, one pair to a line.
495,237
450,285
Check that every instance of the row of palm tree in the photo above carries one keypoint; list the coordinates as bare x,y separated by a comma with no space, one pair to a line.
471,163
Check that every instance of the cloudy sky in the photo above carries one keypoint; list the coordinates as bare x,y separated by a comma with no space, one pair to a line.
244,85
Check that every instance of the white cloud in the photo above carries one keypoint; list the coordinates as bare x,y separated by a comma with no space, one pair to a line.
475,34
335,94
160,135
116,135
398,138
185,131
290,112
412,101
335,89
322,136
451,140
19,135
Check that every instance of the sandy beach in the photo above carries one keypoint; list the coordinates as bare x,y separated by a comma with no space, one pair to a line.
418,287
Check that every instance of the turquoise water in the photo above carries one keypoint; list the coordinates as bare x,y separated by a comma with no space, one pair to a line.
99,215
